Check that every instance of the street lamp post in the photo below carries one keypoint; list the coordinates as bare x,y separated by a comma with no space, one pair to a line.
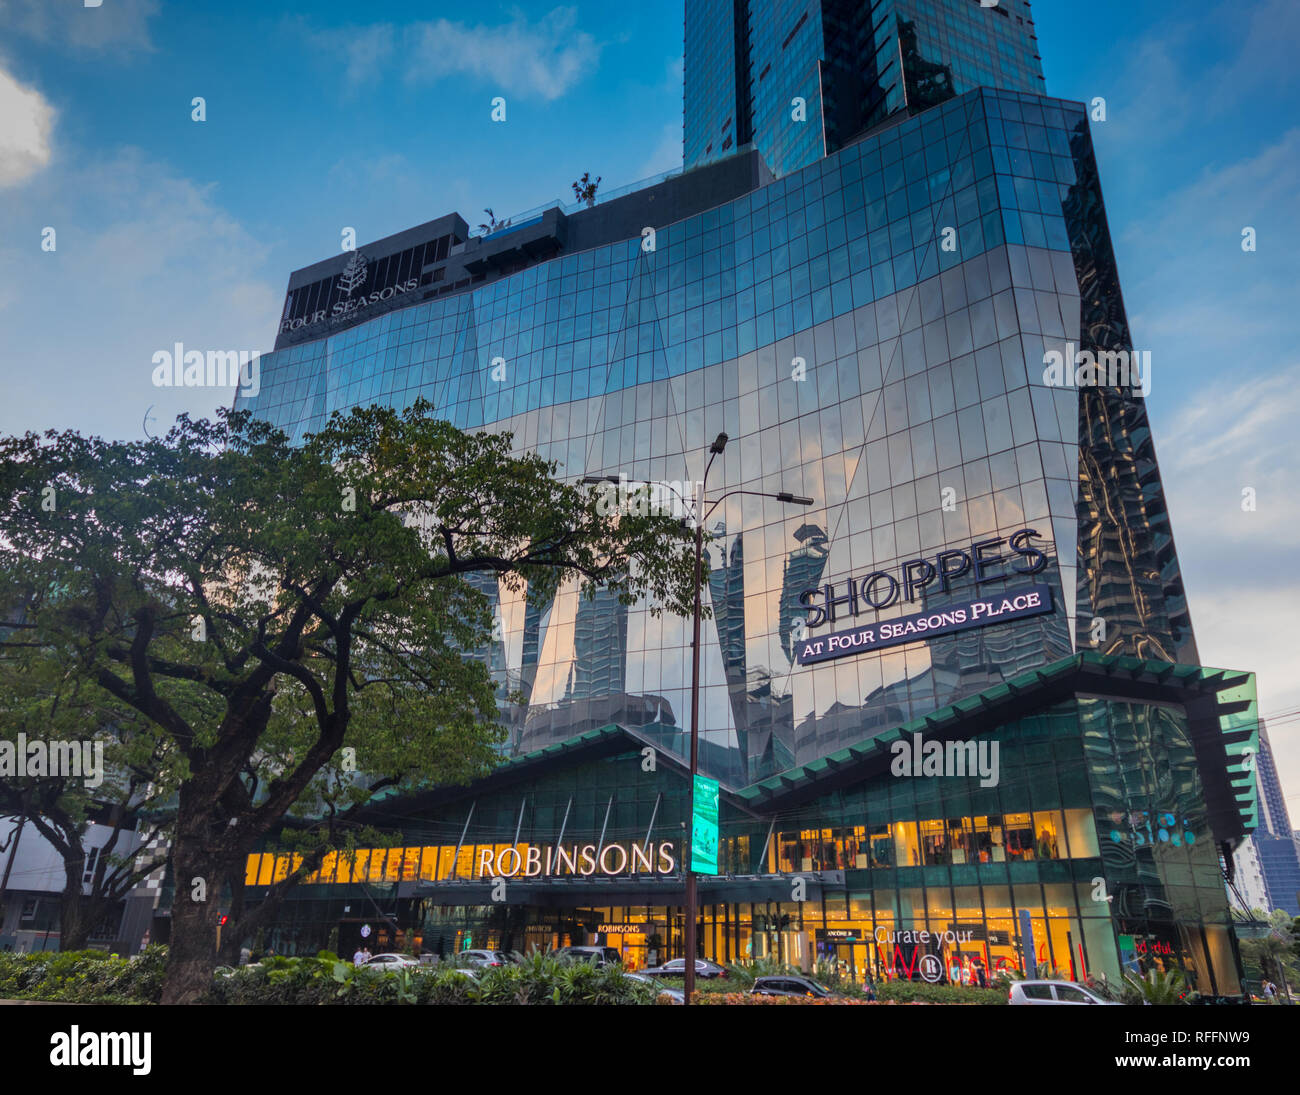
701,515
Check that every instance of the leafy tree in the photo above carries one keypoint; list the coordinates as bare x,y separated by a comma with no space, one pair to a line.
115,778
288,618
584,190
1272,955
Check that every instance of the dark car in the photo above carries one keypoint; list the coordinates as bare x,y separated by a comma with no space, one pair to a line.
600,956
789,985
676,967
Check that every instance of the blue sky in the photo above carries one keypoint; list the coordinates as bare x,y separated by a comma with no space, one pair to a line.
376,116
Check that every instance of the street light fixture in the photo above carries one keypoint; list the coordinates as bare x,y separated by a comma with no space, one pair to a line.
715,449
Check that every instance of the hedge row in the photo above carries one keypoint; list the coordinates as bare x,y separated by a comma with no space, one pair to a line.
325,980
918,992
84,977
93,977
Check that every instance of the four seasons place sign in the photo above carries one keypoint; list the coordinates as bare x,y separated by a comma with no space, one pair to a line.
984,562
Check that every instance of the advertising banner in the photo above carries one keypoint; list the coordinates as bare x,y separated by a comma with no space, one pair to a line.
704,827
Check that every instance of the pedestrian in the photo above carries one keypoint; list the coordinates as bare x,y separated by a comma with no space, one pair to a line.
1270,992
360,957
245,955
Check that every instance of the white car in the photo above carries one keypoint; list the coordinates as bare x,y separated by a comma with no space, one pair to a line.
1052,992
390,962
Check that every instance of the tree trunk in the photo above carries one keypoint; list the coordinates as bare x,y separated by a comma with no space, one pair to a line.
74,924
192,950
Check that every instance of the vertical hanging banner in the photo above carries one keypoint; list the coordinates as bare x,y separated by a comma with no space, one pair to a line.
704,827
1027,943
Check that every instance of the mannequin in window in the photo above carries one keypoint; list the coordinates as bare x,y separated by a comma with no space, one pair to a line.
1045,849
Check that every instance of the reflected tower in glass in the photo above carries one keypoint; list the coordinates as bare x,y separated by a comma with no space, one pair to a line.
801,78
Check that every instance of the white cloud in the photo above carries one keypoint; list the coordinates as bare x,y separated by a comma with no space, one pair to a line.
545,58
1135,110
122,25
666,154
676,74
1263,64
1224,198
145,258
26,128
1252,629
1159,90
365,51
1238,564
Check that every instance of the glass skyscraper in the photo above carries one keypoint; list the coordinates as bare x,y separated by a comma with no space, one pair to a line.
801,78
867,307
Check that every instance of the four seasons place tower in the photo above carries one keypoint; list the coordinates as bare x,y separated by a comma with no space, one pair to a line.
943,699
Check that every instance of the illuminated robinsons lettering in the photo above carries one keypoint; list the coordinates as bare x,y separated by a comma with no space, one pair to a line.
583,860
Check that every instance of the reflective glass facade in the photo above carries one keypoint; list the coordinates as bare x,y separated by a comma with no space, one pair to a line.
852,63
820,322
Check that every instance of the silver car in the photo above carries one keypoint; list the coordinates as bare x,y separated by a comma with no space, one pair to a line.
675,995
1052,992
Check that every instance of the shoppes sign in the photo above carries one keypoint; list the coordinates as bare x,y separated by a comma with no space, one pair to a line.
984,562
581,860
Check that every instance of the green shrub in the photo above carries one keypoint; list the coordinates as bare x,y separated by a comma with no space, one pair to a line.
919,992
85,977
538,979
1156,988
743,973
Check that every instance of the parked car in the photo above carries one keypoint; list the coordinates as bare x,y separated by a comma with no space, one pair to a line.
390,962
485,959
789,985
1052,992
676,995
601,956
676,967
